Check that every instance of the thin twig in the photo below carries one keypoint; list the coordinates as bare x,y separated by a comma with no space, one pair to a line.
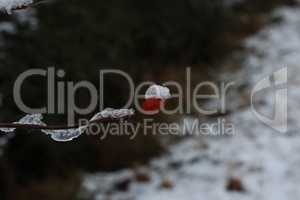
34,4
57,127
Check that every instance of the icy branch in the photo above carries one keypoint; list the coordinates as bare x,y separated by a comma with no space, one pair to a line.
65,133
9,5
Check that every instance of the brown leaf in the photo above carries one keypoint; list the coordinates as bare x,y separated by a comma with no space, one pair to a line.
235,184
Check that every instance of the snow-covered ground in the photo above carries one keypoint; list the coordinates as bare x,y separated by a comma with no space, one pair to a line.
264,160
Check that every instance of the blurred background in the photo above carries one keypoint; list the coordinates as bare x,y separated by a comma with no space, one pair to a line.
151,40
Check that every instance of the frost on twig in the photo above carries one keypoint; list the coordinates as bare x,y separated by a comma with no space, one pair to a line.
107,114
64,134
9,5
34,119
110,113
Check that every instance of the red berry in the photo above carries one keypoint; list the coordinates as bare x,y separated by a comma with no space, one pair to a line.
153,105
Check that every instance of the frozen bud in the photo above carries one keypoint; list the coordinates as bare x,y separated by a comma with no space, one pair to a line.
155,98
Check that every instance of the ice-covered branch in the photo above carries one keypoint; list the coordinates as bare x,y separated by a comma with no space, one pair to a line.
61,132
154,99
11,5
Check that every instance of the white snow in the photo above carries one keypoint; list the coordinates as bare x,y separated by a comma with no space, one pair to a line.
158,91
8,5
113,114
266,161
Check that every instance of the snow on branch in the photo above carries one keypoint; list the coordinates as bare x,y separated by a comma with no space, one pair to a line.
9,5
68,133
65,133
